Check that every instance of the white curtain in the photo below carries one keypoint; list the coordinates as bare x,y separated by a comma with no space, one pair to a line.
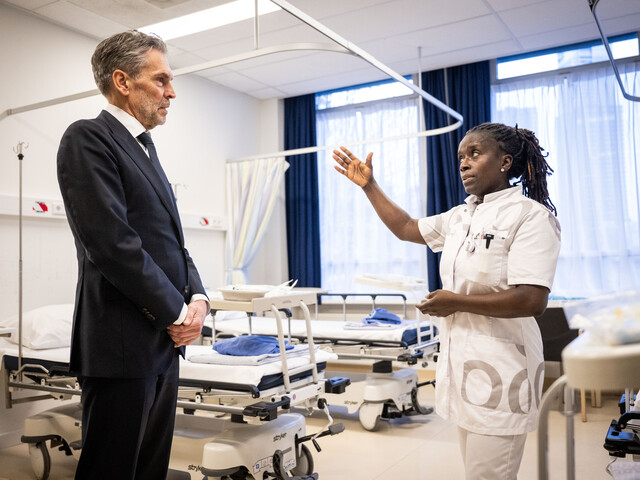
592,135
353,239
252,190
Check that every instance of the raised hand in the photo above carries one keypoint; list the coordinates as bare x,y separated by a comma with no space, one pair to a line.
351,167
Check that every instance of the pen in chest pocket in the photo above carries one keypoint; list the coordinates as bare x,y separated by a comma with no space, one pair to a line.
487,239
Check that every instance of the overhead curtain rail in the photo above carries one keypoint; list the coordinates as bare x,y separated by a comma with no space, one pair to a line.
592,5
260,52
300,151
343,46
365,56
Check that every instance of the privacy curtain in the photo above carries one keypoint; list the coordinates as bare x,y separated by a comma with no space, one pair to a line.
252,189
592,136
301,188
467,90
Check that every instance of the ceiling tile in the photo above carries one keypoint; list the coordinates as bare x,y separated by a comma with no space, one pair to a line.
266,93
470,55
73,16
30,4
184,59
499,5
235,80
617,9
547,16
448,33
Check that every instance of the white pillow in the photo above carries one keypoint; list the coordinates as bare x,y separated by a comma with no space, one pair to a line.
44,327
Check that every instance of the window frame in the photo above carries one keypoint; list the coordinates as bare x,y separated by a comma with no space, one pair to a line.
564,70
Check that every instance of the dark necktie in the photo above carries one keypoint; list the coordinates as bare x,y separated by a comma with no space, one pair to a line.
145,139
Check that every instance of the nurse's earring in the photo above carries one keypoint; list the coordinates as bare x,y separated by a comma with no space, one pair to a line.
502,170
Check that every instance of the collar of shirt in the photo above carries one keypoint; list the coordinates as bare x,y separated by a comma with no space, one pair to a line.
490,197
129,122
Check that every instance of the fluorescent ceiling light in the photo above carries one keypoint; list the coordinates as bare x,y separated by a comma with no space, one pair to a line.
211,18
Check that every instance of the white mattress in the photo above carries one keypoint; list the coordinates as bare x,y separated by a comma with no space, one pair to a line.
238,374
321,329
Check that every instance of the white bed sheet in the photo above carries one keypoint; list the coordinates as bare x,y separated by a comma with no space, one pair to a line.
334,330
51,354
239,374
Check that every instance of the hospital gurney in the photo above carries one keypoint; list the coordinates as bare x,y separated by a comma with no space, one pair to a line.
252,410
384,393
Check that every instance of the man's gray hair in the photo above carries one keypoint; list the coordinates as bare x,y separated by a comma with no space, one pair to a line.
126,51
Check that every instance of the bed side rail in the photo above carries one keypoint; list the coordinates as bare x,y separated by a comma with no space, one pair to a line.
373,297
56,382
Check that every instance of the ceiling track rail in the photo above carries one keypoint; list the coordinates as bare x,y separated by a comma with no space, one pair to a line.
343,46
592,5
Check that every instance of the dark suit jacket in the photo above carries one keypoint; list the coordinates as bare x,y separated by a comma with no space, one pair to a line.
134,273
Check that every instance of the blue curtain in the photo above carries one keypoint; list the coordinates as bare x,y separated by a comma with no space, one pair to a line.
301,189
466,89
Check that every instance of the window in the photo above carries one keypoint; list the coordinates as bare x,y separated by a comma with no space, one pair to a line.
590,132
361,94
623,46
353,239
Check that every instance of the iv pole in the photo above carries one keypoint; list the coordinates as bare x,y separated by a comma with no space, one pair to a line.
18,149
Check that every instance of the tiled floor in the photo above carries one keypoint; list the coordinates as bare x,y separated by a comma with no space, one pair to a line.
419,447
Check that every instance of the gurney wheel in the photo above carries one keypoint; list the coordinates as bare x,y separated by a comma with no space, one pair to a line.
40,460
304,462
370,415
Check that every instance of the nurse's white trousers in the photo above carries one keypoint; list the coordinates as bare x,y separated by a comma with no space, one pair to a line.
491,457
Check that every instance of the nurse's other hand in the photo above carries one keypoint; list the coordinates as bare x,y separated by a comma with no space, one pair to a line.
352,168
439,303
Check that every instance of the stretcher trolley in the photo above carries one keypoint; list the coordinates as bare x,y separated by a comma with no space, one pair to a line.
384,393
258,441
43,375
237,414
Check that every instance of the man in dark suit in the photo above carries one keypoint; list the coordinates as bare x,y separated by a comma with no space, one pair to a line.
139,298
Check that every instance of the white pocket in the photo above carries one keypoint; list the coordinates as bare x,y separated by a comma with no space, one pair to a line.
487,262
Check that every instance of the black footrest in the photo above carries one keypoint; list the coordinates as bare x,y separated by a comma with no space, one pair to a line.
266,410
410,358
336,384
383,366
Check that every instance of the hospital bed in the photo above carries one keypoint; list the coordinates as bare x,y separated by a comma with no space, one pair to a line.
235,412
385,392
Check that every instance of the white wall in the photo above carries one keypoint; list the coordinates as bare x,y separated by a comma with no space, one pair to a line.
207,124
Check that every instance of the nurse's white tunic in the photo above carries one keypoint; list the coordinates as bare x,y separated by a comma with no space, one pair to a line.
490,370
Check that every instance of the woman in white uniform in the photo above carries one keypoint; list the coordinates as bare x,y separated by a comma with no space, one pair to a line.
499,253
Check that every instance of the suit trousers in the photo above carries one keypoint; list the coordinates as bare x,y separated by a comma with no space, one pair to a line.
127,426
491,457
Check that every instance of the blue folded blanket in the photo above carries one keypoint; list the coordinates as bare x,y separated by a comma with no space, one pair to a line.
249,345
381,316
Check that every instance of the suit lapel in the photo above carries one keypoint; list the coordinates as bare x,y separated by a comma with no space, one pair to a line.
133,149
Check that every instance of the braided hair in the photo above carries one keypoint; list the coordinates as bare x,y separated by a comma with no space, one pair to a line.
529,166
